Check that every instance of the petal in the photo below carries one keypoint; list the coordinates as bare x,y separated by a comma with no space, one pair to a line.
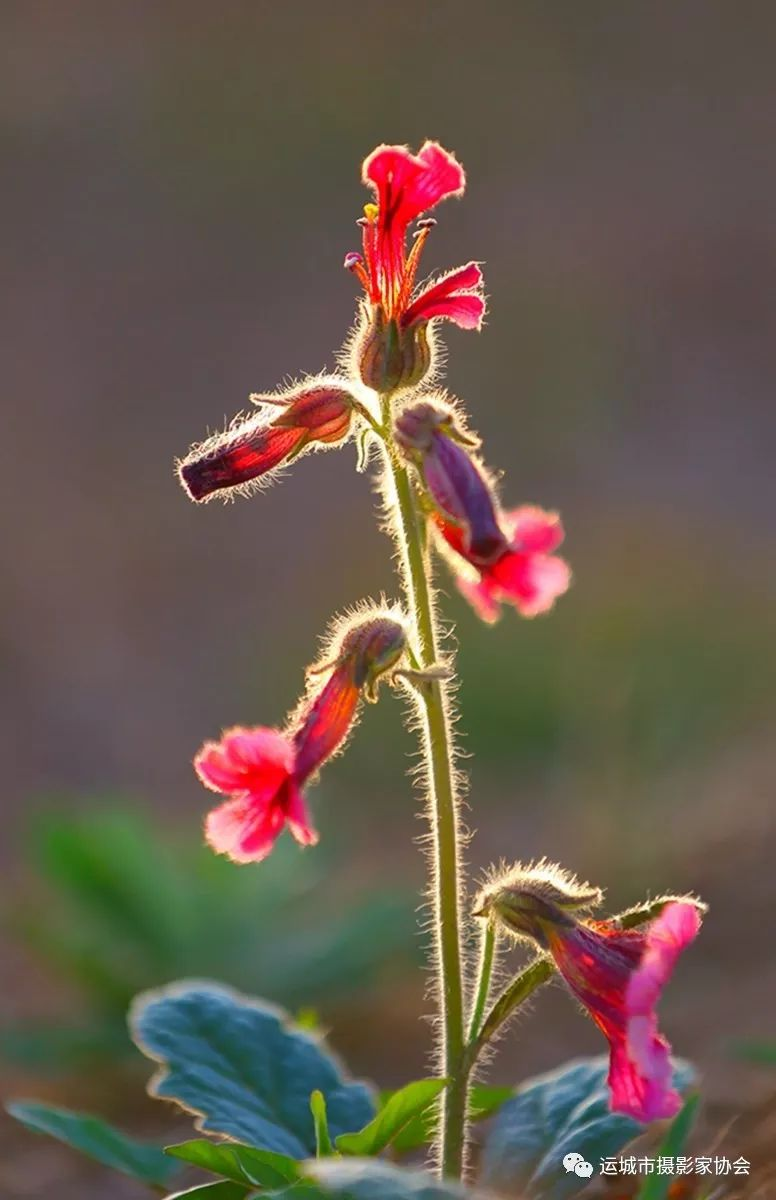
407,184
464,309
254,761
480,596
460,490
531,582
667,936
298,817
533,530
640,1075
245,829
454,296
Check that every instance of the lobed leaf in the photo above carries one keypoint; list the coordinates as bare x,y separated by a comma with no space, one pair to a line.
551,1116
244,1068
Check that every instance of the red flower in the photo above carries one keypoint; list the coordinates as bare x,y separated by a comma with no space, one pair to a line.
318,413
262,771
405,186
618,975
525,573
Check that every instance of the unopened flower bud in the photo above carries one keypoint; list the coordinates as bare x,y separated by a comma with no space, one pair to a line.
375,646
527,901
391,356
319,412
429,437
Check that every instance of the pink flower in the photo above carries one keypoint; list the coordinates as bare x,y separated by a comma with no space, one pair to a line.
525,573
618,975
263,771
317,413
406,185
255,768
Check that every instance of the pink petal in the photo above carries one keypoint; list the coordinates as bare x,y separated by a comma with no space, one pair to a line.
640,1075
531,582
407,184
298,818
464,309
480,596
244,829
533,530
246,760
666,937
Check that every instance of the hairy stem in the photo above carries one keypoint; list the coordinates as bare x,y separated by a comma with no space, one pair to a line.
436,746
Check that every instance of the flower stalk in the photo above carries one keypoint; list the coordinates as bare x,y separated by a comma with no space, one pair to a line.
440,778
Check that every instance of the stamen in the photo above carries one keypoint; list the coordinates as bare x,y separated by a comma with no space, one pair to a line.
413,258
355,264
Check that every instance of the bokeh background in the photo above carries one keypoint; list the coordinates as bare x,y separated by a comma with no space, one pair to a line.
180,184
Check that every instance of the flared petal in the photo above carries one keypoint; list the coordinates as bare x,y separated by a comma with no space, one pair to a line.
244,828
255,761
532,529
456,297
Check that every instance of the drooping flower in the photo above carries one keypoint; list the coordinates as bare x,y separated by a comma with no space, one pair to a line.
313,415
617,974
497,557
263,771
392,349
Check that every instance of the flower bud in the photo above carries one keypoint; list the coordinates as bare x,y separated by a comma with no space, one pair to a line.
374,646
528,900
319,412
390,356
429,437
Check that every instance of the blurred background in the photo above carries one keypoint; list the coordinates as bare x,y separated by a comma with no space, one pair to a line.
180,185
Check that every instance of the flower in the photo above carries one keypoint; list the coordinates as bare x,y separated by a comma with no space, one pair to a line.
496,556
317,413
525,573
392,349
617,974
263,771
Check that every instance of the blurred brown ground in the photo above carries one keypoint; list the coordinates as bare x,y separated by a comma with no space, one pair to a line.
180,183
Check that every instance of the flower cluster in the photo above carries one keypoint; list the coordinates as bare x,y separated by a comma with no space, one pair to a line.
438,495
616,973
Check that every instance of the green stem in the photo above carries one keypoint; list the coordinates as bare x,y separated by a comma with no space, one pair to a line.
487,953
440,776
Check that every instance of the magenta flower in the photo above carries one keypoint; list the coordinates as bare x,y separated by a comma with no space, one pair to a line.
618,975
525,573
263,771
497,557
406,185
315,414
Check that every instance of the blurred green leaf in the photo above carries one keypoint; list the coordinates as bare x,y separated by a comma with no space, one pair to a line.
401,1108
370,1179
99,1141
656,1187
550,1116
131,909
241,1164
244,1067
323,1143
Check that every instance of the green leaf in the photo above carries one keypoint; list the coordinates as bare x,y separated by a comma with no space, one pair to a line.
222,1190
419,1131
401,1108
550,1116
323,1145
244,1068
99,1141
371,1179
240,1164
655,1187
